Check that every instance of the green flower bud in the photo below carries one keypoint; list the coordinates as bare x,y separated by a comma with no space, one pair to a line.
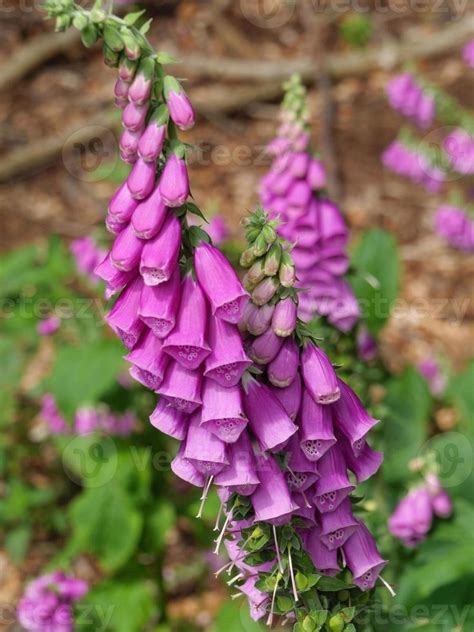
248,284
112,37
89,35
259,246
132,47
97,15
265,290
336,623
111,58
272,260
287,270
247,258
63,22
127,69
256,272
269,234
252,233
80,21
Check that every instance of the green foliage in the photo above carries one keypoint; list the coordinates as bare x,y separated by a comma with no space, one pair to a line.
377,271
356,29
409,403
234,617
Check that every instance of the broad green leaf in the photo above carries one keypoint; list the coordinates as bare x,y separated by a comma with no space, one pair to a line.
106,524
234,617
82,375
461,392
117,606
17,542
377,268
131,18
409,403
158,525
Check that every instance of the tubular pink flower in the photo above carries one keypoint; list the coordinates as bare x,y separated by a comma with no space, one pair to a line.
259,318
178,103
115,279
325,560
284,317
366,464
160,254
182,388
219,283
134,116
126,250
334,484
149,360
318,375
240,475
269,422
187,342
227,361
123,317
169,420
266,347
184,469
363,558
352,419
204,450
142,179
316,428
122,205
129,142
289,397
174,182
283,368
272,500
149,216
159,305
222,411
337,526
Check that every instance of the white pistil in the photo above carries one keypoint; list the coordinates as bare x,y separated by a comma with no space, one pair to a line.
280,565
235,579
204,496
270,616
292,575
222,533
306,501
218,519
388,587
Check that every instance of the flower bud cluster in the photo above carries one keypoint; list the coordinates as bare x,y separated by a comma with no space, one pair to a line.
293,192
406,95
407,162
455,226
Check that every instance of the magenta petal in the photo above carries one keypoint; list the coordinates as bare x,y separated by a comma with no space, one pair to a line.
240,475
180,109
182,388
290,397
151,141
115,279
265,347
331,221
227,361
126,250
268,419
302,473
204,450
316,428
366,464
219,283
318,375
337,526
142,179
159,305
123,204
174,182
283,368
134,115
149,360
259,318
363,558
187,342
324,560
334,484
149,216
412,518
351,418
169,420
272,500
185,470
284,317
160,254
222,411
123,317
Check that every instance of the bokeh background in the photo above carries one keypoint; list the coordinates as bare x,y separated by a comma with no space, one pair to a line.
58,167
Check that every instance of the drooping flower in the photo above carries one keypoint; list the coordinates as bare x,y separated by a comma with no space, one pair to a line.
48,326
412,518
363,558
455,226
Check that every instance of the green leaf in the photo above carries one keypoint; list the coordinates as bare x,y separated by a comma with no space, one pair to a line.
133,17
17,542
409,403
234,617
332,584
82,375
377,266
285,604
165,58
159,524
461,392
118,606
106,524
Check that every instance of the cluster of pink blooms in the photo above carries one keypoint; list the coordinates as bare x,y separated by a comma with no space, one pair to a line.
86,419
47,603
412,519
48,326
407,162
468,53
407,96
293,191
459,147
455,226
87,255
431,370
